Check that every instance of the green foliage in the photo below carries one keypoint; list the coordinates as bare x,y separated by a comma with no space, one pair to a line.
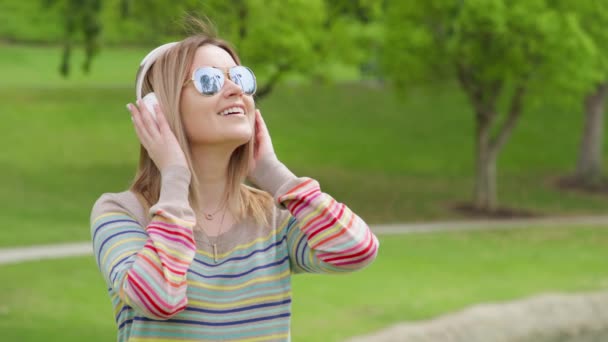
354,33
26,21
79,17
505,54
295,39
593,17
276,36
529,42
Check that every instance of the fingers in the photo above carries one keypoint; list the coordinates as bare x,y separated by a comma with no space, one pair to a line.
256,136
258,125
263,129
163,125
262,137
144,122
255,122
142,134
149,123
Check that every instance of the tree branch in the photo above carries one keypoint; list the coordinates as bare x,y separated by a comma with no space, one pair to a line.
514,113
272,81
465,78
483,97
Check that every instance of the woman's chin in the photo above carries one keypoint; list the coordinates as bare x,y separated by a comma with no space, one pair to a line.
238,137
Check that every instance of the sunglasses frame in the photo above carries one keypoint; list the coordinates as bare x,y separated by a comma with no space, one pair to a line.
226,73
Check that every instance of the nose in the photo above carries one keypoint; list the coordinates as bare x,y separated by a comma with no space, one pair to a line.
232,89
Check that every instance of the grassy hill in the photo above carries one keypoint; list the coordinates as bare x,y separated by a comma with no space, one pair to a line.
391,158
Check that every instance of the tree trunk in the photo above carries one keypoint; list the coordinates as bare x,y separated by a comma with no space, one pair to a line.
243,13
589,167
488,147
485,194
484,98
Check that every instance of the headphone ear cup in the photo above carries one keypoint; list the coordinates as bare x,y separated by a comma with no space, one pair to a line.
150,101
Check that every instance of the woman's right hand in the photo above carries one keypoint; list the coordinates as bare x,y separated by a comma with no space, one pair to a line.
157,138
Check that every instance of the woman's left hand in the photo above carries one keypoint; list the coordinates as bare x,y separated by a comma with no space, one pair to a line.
266,171
263,143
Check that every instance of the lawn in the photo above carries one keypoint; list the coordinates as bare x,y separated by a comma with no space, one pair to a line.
390,158
415,277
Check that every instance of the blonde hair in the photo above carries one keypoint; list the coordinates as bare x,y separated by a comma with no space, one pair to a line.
165,78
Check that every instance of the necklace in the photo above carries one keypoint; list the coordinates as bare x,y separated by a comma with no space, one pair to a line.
213,244
209,217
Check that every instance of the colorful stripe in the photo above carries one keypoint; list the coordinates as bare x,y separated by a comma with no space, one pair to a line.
165,289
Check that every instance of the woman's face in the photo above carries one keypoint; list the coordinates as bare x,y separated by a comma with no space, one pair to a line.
201,115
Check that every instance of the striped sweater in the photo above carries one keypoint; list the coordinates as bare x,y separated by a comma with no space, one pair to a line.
165,285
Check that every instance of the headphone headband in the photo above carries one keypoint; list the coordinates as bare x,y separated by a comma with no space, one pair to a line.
146,63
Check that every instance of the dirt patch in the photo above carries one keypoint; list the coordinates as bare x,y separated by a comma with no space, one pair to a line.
469,210
571,183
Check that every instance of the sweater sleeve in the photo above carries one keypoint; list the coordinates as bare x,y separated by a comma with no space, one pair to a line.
323,235
146,267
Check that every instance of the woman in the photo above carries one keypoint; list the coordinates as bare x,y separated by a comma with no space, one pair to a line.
190,252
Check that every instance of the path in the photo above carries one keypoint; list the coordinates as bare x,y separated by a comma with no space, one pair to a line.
41,252
543,318
556,314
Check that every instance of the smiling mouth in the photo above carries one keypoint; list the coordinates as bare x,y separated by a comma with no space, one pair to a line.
232,111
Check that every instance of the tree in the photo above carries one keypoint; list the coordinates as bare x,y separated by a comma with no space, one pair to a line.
593,16
297,37
82,22
277,38
79,17
502,53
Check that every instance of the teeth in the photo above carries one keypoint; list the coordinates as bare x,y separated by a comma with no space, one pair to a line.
232,110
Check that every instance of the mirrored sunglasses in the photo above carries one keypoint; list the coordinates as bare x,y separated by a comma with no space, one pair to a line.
209,80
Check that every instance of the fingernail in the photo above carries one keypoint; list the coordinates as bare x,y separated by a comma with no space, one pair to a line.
128,107
132,120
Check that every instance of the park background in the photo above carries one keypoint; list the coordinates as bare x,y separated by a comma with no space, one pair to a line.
408,112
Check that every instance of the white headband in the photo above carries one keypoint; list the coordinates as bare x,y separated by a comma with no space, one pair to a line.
146,63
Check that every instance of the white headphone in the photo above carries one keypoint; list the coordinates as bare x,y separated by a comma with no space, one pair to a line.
146,63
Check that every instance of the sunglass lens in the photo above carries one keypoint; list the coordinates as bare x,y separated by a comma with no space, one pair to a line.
244,77
208,81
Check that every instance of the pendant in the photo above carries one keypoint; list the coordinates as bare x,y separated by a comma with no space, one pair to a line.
209,217
215,253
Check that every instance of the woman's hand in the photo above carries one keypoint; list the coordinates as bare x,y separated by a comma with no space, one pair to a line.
267,171
157,138
263,143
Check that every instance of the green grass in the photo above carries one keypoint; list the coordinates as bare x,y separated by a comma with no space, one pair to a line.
415,277
391,160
